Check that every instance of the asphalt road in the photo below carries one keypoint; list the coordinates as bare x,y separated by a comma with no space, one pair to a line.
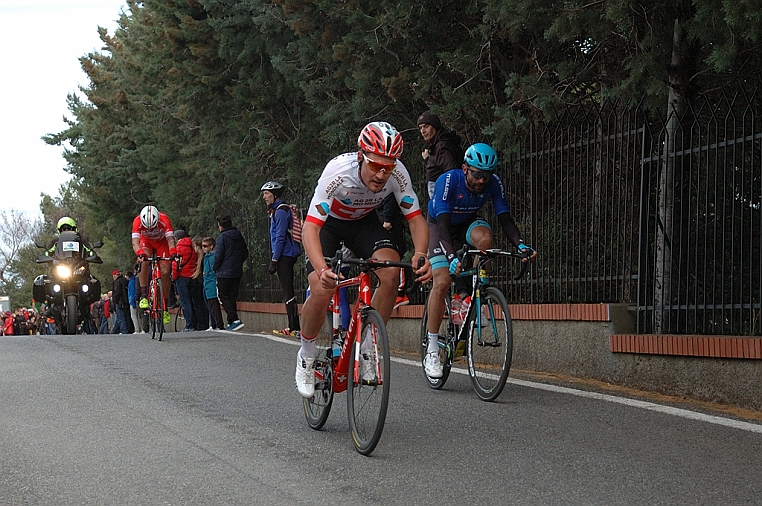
214,418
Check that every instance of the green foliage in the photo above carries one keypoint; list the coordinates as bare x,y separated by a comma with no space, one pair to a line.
192,104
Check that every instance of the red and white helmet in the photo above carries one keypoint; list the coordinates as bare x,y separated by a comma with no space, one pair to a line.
149,217
380,138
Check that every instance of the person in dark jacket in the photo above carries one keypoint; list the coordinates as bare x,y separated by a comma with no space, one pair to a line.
284,251
443,151
230,253
121,303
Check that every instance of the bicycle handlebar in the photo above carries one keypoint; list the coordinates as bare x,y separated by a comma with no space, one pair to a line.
497,252
369,263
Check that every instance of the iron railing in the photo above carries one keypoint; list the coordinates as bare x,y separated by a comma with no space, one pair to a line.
661,214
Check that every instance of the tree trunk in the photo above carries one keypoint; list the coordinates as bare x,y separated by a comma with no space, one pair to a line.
664,315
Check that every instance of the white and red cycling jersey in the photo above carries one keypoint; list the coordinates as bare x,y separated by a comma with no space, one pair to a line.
154,240
340,192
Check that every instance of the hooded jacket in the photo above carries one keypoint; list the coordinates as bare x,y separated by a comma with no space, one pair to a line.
445,154
230,253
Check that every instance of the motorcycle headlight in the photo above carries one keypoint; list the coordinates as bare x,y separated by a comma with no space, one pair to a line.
56,288
85,288
63,271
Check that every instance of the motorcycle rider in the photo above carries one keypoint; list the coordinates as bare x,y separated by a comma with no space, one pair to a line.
67,224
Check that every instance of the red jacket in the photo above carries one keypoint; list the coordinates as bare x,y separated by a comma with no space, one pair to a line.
188,257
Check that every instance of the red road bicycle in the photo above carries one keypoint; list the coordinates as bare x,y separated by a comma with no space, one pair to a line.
354,359
157,304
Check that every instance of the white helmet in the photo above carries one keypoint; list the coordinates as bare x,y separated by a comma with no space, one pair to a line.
149,217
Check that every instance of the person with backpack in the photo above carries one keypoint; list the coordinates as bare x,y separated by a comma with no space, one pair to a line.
285,250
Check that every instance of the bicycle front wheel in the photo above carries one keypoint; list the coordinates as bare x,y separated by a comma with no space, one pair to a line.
368,383
156,301
318,407
490,345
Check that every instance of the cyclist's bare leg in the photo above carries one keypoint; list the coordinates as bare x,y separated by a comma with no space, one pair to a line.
165,267
313,311
386,293
480,238
145,267
436,303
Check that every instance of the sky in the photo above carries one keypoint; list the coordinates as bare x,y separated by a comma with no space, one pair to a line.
40,45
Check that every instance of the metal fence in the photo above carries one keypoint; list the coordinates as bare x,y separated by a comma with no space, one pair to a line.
663,214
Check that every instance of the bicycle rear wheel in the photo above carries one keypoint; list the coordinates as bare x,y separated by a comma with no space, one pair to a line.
179,318
156,301
490,347
445,351
368,384
318,407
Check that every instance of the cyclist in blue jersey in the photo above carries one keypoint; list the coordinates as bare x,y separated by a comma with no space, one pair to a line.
453,221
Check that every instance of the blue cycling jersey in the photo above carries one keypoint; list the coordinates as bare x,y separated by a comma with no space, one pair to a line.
451,195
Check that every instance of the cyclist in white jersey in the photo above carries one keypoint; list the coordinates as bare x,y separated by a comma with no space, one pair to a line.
343,210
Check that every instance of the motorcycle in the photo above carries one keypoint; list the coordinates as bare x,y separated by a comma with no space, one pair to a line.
70,288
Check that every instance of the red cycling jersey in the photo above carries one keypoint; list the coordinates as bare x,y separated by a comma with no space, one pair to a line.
153,240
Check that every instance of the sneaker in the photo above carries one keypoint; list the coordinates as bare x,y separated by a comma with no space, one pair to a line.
432,365
235,325
167,317
305,376
285,332
368,368
401,301
143,304
210,328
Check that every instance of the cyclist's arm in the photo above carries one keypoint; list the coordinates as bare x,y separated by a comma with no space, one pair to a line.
509,227
419,231
136,244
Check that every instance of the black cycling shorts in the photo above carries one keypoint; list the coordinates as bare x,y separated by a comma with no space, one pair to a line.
363,237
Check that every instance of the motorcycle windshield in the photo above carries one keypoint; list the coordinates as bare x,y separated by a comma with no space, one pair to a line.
69,245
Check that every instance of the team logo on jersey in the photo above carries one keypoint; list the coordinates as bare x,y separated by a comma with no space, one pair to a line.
322,208
345,212
407,202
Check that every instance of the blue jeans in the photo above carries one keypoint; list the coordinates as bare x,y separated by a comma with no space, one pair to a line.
182,287
120,327
104,325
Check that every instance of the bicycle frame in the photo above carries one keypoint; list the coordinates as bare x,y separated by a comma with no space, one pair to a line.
352,334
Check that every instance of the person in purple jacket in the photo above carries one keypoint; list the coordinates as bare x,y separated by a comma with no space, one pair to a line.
284,251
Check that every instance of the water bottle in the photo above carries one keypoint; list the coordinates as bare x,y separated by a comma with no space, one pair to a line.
464,305
455,309
336,347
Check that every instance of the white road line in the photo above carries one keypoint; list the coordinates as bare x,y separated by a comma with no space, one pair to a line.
669,410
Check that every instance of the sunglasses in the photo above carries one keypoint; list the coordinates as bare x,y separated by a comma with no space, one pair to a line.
379,167
479,174
206,245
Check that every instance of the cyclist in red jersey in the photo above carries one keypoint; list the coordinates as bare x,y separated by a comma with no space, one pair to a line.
152,235
343,210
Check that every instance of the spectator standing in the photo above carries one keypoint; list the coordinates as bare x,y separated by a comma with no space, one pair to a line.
443,151
231,252
8,320
284,251
200,310
105,308
210,284
133,291
96,312
120,302
182,275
